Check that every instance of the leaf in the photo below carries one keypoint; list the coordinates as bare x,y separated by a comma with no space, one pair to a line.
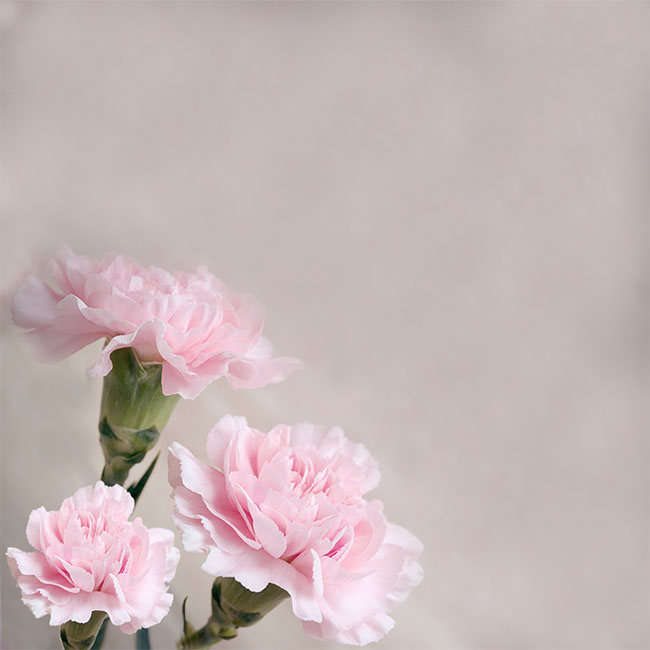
136,488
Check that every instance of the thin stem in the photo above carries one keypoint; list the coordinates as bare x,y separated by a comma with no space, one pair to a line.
142,639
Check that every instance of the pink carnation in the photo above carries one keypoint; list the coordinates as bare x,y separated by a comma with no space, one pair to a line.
90,557
287,508
190,322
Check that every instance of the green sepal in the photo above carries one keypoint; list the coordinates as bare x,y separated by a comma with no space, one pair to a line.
81,636
132,396
99,641
242,607
136,488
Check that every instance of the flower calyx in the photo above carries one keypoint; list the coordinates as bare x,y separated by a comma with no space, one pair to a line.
233,606
133,412
81,636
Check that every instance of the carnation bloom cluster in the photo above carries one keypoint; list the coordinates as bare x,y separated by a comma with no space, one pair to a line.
90,557
191,323
288,508
279,514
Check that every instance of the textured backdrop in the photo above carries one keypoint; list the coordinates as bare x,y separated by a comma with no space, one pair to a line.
443,208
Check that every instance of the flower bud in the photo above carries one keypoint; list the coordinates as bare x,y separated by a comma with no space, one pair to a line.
133,412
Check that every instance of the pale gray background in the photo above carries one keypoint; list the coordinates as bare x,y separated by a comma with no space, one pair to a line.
443,208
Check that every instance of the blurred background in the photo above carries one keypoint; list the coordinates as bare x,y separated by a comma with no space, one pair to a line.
443,208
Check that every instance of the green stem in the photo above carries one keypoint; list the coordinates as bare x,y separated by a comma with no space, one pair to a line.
142,639
133,412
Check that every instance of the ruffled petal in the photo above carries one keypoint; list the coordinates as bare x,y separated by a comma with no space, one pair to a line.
34,304
220,436
92,558
186,471
255,570
192,324
255,373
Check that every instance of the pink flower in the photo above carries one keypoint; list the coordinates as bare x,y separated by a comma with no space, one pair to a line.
89,557
287,508
190,322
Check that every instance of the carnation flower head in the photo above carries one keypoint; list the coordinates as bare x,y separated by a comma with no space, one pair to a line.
191,323
288,508
90,557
